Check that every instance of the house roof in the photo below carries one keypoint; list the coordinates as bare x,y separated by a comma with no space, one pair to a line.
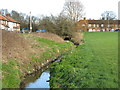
7,18
101,21
3,18
10,19
104,21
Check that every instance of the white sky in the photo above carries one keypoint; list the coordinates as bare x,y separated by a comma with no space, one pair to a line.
93,8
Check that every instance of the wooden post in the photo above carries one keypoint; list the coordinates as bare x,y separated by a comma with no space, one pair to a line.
30,23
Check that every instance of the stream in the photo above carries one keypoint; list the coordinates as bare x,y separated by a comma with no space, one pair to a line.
41,82
39,79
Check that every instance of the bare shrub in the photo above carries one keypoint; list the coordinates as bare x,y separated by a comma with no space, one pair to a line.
77,38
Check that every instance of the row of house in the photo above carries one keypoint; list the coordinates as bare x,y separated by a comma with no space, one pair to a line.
8,23
97,25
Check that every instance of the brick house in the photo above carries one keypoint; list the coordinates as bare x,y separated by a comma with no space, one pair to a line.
8,23
97,25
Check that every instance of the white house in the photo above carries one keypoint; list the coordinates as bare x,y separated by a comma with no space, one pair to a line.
8,23
3,23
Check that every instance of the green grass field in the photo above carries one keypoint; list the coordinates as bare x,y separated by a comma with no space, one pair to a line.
91,65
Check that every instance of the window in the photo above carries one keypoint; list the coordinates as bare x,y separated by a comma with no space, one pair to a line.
5,22
17,24
2,21
83,24
14,24
97,25
89,25
102,25
112,25
119,25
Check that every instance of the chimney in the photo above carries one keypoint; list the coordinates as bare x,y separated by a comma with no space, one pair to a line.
84,18
8,15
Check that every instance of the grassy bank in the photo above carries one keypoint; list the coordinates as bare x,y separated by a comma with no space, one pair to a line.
14,69
91,65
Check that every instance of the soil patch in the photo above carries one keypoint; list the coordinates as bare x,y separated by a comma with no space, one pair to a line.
15,46
49,36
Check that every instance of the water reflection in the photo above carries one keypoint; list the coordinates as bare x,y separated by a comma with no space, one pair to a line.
38,79
41,82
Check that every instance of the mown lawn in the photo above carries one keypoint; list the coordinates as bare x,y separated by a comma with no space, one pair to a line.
91,65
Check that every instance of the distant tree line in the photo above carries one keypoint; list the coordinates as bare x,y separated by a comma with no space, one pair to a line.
108,15
22,18
62,25
59,25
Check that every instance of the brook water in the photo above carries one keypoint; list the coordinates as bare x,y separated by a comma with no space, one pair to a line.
39,79
41,82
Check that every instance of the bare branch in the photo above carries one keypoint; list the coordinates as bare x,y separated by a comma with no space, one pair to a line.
108,15
73,9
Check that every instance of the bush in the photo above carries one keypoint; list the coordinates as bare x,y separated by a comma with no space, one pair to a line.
59,25
77,38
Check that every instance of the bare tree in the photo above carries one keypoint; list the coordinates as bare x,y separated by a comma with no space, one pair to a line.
3,11
22,18
73,9
108,15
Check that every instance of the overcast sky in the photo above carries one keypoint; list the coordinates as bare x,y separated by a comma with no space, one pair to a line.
93,8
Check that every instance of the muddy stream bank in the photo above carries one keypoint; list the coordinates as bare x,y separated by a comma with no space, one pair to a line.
39,78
